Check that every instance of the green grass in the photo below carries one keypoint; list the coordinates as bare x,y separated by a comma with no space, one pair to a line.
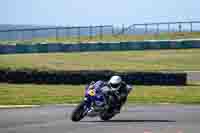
13,94
109,38
151,60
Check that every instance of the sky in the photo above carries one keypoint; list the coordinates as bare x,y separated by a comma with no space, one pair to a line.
96,12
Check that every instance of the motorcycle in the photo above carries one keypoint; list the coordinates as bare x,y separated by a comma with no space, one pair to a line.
93,105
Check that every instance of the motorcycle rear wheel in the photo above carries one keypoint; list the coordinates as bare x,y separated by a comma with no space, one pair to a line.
106,116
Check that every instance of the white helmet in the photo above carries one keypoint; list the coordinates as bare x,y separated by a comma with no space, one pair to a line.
115,82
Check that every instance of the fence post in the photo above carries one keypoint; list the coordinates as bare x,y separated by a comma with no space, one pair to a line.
146,28
180,27
32,34
168,27
67,32
157,25
17,35
191,28
123,29
134,28
56,34
90,28
113,32
101,32
8,36
22,36
79,34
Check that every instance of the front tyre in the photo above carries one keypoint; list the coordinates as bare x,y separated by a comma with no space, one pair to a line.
78,112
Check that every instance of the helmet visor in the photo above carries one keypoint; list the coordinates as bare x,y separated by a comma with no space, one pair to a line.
115,86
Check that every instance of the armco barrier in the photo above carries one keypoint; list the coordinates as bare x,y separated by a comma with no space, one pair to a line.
192,43
43,48
7,49
84,77
135,45
32,49
54,47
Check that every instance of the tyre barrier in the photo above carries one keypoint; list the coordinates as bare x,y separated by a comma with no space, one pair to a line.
84,77
85,47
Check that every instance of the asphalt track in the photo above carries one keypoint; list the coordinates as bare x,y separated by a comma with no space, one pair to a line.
193,75
133,119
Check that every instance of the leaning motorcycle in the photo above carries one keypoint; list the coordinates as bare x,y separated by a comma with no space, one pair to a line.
93,105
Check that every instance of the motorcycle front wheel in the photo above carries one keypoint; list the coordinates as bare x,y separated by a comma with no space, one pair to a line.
78,112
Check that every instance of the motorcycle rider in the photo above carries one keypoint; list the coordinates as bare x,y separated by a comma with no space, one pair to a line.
115,92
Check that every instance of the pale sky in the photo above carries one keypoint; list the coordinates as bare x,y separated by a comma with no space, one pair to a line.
96,12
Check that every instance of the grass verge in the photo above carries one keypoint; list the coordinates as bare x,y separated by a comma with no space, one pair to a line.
29,94
108,38
151,60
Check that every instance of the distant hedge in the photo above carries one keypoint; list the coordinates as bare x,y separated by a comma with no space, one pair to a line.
84,77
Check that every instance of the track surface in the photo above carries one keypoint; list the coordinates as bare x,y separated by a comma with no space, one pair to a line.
193,76
133,119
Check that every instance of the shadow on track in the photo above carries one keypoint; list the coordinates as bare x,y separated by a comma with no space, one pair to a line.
132,121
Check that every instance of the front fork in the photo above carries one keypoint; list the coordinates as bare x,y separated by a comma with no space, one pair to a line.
87,106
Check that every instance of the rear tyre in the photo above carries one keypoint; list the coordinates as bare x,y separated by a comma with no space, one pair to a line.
78,112
106,116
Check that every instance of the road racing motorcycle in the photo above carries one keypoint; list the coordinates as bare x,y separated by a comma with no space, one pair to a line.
94,104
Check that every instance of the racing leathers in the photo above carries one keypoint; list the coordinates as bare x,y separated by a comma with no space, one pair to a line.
114,98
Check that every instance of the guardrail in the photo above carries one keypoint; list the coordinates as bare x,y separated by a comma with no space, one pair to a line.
86,47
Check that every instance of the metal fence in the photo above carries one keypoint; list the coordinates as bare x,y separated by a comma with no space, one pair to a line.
93,33
71,34
163,27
